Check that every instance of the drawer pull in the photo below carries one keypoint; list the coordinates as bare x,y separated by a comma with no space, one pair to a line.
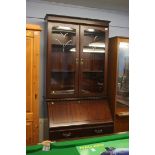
66,134
98,130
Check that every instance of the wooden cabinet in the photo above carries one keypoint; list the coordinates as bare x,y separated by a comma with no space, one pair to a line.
76,58
118,88
32,83
76,75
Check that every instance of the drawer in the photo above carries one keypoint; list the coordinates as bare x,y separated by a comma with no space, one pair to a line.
96,130
80,132
54,135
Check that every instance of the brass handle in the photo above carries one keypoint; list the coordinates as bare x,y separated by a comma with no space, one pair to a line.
66,134
98,130
81,61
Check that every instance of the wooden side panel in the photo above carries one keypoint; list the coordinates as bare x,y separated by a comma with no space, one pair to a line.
32,86
112,72
36,73
29,88
29,61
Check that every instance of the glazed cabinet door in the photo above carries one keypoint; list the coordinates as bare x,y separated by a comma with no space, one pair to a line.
93,61
62,60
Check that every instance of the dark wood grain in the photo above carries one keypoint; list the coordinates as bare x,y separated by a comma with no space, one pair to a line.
66,113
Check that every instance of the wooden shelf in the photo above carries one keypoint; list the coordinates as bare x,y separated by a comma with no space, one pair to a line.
122,114
62,71
58,45
93,71
70,32
87,33
71,91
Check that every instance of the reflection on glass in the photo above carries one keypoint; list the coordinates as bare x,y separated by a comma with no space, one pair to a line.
92,62
123,74
63,60
94,41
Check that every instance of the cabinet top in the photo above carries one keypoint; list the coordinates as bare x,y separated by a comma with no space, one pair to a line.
121,37
33,27
76,20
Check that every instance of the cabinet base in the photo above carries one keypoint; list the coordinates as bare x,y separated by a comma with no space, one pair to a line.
79,131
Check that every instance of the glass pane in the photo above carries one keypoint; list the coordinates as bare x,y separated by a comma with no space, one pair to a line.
92,61
123,74
63,55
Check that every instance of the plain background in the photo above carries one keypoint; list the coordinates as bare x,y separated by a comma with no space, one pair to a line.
13,77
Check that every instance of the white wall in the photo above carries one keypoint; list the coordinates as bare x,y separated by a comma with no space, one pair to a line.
36,11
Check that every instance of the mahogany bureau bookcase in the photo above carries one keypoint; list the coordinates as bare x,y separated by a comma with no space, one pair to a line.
76,77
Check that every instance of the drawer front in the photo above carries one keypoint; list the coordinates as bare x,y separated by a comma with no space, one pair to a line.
96,131
54,135
81,132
